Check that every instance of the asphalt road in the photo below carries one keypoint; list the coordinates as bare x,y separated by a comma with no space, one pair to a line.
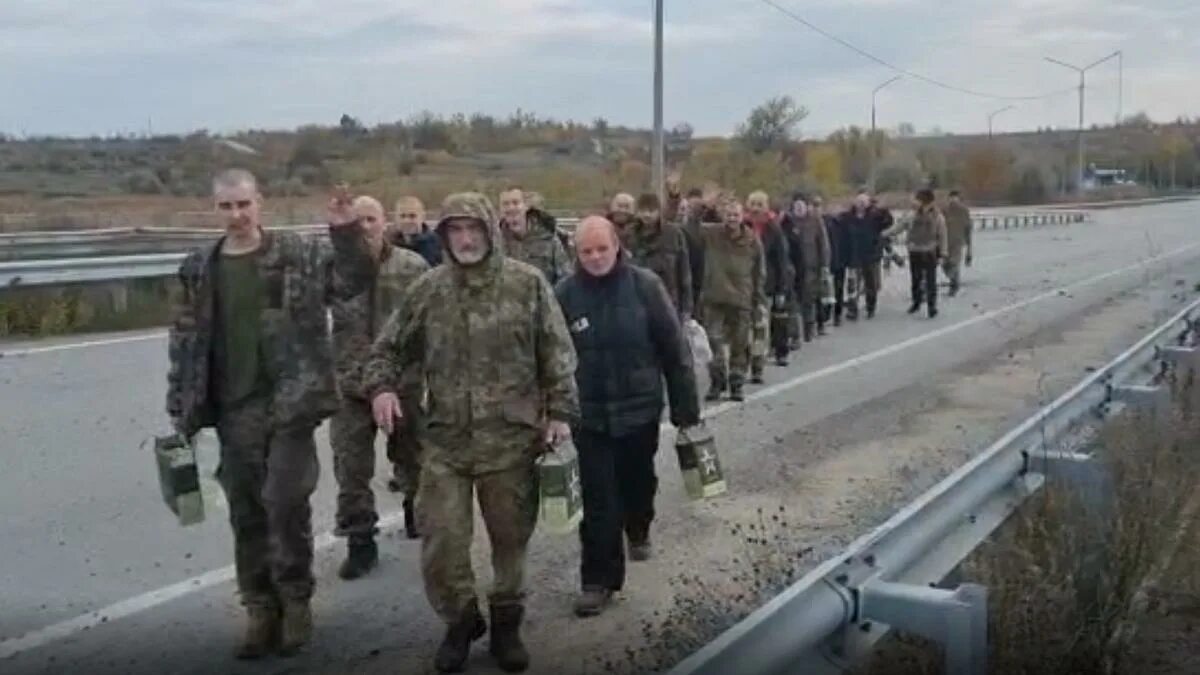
96,576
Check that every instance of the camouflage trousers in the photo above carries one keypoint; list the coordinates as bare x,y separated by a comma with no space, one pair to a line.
352,433
760,340
952,268
728,327
268,474
508,501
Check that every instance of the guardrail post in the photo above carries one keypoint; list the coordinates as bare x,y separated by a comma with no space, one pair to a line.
956,619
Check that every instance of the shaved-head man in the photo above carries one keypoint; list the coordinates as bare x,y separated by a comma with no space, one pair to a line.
411,232
357,319
249,356
628,337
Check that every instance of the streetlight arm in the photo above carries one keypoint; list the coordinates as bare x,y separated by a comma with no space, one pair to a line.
1110,56
1064,65
894,79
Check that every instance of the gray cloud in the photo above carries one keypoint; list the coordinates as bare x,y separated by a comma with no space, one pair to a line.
109,65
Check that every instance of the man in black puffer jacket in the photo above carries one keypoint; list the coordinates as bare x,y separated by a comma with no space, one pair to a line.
628,340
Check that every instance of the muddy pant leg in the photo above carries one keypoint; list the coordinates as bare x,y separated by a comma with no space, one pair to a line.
951,266
446,518
715,325
759,340
352,435
292,472
739,324
244,434
508,501
602,560
637,480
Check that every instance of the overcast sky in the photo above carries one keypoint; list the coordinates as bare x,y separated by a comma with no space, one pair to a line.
104,66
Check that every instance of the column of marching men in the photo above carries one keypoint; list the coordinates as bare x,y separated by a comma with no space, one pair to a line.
478,344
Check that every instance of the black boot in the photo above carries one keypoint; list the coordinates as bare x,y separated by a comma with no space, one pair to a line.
361,557
506,646
715,390
735,389
808,332
456,646
933,312
410,520
915,307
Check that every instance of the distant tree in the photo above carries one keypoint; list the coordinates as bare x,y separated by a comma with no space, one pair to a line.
987,174
906,130
771,125
143,182
825,169
600,127
350,126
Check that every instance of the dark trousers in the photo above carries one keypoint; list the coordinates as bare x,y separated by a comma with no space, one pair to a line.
923,267
871,279
617,476
839,294
268,474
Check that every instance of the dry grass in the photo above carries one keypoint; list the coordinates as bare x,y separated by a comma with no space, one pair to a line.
40,312
1069,579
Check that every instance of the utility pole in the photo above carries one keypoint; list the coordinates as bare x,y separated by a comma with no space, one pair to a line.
992,116
656,155
1082,93
1120,86
873,140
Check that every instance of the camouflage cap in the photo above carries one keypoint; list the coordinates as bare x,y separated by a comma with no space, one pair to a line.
468,205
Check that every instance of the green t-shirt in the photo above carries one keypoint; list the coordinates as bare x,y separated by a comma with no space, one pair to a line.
239,303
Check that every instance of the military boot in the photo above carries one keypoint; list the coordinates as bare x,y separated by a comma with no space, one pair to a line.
592,602
456,646
361,557
506,646
262,633
410,520
808,331
735,389
297,627
715,390
756,373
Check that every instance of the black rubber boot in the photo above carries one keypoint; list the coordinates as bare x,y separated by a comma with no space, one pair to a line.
735,390
361,557
914,308
452,654
808,332
410,520
506,646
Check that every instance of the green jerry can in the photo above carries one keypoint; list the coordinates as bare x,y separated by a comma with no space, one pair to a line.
697,452
561,492
179,478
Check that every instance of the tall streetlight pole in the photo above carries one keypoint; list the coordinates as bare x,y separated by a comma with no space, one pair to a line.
656,155
874,141
1120,85
1082,91
992,116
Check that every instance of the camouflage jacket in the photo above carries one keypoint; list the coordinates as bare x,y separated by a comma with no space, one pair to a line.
492,346
358,319
733,267
299,281
540,247
663,249
958,229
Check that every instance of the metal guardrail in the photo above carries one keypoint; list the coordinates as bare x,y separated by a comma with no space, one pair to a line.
888,579
135,253
132,241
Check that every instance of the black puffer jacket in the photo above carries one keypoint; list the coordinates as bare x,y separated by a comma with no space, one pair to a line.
628,340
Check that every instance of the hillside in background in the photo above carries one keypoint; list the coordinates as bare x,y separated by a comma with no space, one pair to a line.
60,182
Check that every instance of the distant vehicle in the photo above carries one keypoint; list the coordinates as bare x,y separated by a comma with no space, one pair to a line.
1100,178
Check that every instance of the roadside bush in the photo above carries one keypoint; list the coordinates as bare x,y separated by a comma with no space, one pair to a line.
143,182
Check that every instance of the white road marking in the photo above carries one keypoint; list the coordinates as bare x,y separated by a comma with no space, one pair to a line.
30,351
151,599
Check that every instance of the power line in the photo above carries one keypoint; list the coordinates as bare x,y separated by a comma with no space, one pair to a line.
904,71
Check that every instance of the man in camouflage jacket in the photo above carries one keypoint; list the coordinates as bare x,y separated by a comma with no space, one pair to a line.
662,248
250,354
531,236
486,334
357,320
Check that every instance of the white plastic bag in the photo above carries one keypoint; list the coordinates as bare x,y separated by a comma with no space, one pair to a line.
697,341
